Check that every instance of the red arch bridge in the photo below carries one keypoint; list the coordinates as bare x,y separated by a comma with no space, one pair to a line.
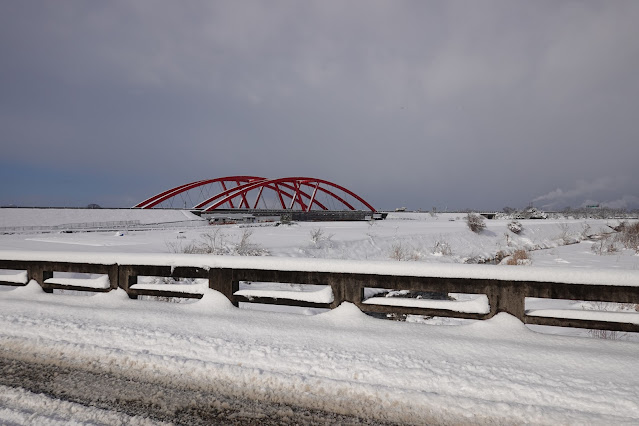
299,197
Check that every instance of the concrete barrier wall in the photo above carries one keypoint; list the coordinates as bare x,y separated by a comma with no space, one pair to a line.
503,295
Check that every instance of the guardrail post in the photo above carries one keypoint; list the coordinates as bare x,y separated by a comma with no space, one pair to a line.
352,288
507,296
346,288
126,277
114,276
39,272
222,280
35,272
45,276
337,287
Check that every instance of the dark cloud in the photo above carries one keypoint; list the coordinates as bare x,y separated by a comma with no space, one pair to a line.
450,104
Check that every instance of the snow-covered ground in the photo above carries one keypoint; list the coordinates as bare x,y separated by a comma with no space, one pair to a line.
410,236
342,361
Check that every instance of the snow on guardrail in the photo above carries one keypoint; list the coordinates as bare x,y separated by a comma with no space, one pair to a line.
623,317
477,305
17,278
303,293
99,282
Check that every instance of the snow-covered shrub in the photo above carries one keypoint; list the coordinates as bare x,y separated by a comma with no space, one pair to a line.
442,248
501,255
629,235
319,238
565,236
515,227
475,222
519,257
398,252
507,239
216,243
178,247
246,248
317,235
478,259
532,213
211,243
415,256
607,245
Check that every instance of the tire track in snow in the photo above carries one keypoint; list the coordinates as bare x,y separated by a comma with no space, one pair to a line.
103,398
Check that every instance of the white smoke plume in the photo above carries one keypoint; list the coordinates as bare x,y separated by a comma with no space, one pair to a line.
592,192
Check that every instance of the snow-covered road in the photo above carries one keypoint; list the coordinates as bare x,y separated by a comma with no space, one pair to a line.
44,394
342,361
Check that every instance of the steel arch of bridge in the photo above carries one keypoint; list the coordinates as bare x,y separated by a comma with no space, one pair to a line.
291,192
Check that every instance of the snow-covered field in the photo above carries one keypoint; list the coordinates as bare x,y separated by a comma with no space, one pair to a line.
410,236
494,371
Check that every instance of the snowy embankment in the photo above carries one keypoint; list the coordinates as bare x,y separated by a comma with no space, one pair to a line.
444,238
494,371
32,219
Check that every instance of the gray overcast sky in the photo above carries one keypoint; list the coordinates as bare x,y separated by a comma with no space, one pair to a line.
457,104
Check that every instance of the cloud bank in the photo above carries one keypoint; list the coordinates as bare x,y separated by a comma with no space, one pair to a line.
451,104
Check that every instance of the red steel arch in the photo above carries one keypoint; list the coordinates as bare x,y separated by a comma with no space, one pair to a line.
163,196
292,183
229,194
300,191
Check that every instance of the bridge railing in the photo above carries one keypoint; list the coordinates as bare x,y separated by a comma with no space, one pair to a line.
122,224
504,288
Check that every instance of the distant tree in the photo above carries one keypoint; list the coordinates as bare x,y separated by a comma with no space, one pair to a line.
509,210
93,206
